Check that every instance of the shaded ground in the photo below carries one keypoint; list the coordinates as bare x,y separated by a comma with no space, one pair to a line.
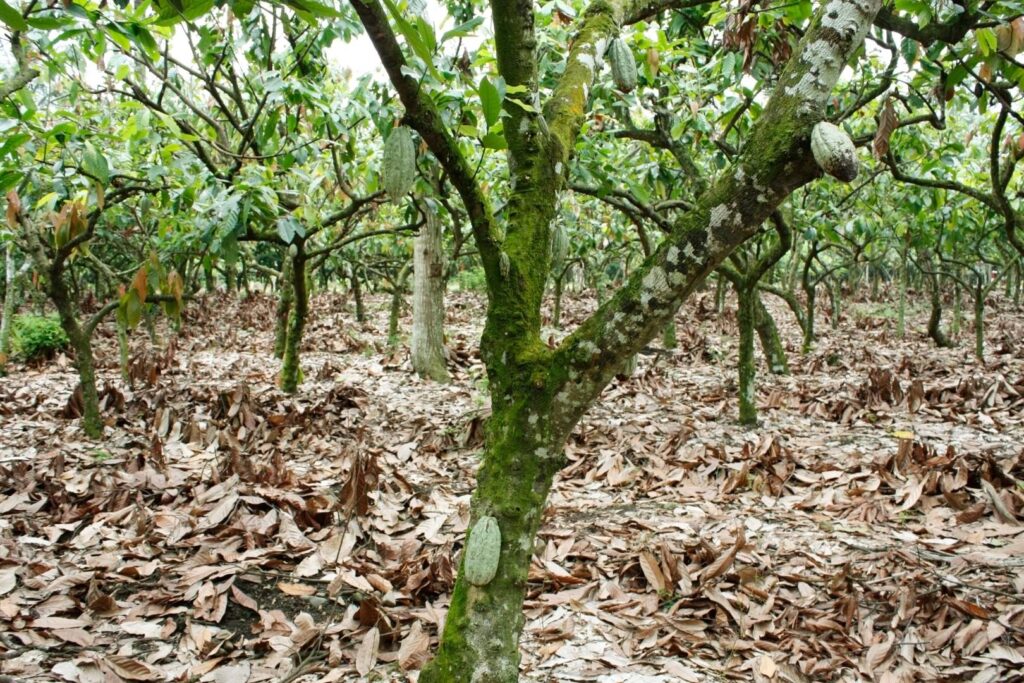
870,529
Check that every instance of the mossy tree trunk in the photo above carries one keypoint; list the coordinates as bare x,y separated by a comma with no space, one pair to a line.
771,342
539,394
745,314
291,370
427,343
285,299
745,272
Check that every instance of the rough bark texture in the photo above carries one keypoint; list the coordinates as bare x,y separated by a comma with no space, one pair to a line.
771,342
747,369
538,394
291,370
285,299
427,344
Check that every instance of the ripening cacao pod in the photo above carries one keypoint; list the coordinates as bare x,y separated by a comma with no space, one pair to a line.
399,163
483,549
834,151
623,65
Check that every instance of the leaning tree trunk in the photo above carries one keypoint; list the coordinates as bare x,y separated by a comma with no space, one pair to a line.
771,342
285,299
428,302
935,318
746,315
291,371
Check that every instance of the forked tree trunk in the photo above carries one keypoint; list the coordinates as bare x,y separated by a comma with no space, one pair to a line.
428,302
285,299
291,370
539,394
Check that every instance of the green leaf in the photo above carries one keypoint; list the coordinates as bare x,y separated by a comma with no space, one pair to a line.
987,41
462,29
12,17
495,141
490,100
95,164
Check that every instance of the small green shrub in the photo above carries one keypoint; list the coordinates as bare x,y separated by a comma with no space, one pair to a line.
37,336
470,280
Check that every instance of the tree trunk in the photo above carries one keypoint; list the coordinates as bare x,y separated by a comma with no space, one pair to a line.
979,323
395,315
291,370
935,319
81,342
746,314
771,343
835,295
285,299
556,316
209,283
428,302
720,293
8,311
901,314
123,350
481,634
958,310
668,337
811,292
357,294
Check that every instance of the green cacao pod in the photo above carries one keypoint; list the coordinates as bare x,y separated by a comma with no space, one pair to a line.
504,264
559,244
399,163
834,151
482,552
623,65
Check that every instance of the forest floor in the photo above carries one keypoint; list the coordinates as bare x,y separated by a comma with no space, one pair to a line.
870,528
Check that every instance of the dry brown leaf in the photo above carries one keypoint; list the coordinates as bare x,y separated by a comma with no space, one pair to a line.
415,649
366,655
132,669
